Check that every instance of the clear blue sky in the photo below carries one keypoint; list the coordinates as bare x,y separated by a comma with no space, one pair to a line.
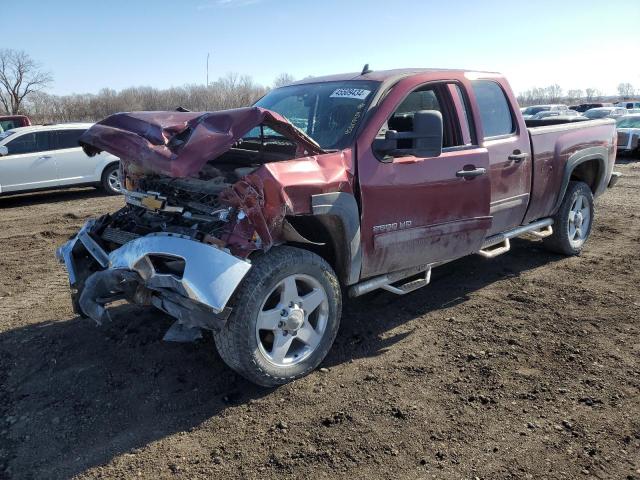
88,45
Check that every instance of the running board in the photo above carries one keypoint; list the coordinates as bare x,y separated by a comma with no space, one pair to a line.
499,244
492,247
496,249
410,286
385,281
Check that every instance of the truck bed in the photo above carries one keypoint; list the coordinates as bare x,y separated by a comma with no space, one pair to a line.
553,145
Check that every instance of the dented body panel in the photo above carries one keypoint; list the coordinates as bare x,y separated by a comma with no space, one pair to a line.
178,144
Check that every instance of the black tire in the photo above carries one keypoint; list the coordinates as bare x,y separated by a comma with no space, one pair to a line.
105,184
560,241
238,343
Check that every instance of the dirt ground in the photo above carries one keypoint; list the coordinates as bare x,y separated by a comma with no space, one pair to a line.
525,366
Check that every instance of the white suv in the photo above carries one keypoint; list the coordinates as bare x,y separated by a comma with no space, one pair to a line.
48,156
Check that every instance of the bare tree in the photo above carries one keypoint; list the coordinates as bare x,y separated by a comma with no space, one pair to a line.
20,76
626,90
592,94
283,79
574,95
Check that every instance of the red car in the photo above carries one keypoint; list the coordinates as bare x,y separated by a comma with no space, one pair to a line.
7,122
252,222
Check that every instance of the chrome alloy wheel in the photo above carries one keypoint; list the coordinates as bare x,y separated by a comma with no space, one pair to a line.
114,181
579,221
292,320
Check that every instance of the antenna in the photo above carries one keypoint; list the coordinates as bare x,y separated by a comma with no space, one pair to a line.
207,69
366,69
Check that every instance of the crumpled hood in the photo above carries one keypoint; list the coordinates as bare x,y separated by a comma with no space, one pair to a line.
178,144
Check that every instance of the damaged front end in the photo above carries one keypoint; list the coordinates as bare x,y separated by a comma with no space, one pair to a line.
202,193
188,279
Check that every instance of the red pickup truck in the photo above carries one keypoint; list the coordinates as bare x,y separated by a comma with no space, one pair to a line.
7,122
252,222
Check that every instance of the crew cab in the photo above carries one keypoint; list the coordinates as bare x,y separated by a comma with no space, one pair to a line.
43,157
253,222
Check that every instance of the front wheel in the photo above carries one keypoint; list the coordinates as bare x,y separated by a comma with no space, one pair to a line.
573,221
285,317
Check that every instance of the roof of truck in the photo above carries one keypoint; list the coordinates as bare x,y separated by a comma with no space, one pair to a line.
380,75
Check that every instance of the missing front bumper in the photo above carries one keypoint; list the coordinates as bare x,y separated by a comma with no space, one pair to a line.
197,296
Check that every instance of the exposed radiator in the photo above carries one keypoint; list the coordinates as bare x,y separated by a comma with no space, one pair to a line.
118,236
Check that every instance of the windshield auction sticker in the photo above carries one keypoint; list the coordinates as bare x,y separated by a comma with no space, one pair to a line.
358,93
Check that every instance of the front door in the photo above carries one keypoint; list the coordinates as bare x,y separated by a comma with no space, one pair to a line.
29,165
416,210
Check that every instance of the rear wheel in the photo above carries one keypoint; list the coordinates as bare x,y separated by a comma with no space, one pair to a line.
285,317
111,180
573,221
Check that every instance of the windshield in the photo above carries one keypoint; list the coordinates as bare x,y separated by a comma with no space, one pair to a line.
596,113
4,135
629,122
328,112
534,110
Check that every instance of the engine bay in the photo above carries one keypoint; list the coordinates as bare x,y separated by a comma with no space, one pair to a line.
189,207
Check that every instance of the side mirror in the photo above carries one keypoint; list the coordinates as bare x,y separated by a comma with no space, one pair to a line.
426,137
3,151
427,126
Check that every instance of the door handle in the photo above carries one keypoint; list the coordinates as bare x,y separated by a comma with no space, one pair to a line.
518,156
471,173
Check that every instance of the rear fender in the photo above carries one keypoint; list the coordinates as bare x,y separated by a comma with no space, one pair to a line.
600,155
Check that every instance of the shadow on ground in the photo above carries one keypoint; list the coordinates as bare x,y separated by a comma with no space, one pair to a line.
74,396
48,196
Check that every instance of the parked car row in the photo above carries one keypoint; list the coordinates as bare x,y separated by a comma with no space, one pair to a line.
45,157
49,156
626,114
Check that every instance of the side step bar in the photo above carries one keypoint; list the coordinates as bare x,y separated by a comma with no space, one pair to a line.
499,244
492,247
385,281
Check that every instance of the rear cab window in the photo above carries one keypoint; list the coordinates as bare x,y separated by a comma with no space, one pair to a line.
497,118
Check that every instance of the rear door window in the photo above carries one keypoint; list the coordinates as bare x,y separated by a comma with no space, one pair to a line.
67,139
29,143
497,119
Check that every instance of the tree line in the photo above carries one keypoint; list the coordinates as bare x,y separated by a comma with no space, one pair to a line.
23,84
555,94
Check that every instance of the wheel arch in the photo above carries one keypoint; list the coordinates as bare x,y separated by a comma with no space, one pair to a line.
333,231
103,165
588,165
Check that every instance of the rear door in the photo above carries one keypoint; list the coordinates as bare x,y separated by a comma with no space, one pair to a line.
507,141
74,166
29,164
421,210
